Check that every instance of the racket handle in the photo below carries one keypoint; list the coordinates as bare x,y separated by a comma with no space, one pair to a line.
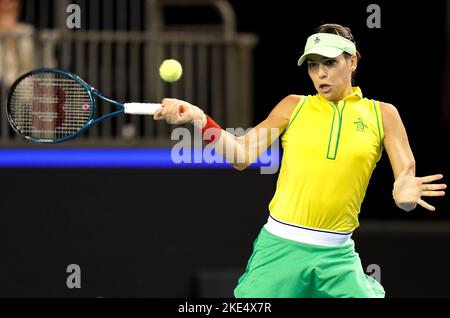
141,108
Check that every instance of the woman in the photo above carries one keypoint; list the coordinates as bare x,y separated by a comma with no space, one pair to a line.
331,144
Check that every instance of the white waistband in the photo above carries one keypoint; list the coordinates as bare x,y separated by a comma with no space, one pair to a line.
306,235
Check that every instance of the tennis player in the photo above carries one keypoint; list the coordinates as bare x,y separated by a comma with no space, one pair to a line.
331,143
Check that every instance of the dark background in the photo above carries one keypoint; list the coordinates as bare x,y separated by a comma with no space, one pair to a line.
180,233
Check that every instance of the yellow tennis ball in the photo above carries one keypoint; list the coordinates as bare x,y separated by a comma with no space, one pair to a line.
170,70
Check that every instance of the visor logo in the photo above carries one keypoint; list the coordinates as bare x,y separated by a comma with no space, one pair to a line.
316,40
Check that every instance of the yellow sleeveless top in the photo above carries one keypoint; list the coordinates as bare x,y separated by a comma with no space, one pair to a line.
330,150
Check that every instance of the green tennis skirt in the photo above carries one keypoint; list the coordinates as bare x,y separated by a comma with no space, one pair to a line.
284,268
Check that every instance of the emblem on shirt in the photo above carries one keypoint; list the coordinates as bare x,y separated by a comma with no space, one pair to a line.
360,125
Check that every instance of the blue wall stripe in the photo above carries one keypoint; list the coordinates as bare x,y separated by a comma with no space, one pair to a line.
99,158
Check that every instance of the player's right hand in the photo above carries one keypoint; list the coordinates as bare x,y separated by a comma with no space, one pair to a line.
175,111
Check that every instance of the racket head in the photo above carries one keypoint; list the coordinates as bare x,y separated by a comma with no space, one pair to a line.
50,105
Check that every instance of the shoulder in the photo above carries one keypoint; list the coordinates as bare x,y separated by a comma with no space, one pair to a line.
287,105
292,99
390,115
282,112
388,111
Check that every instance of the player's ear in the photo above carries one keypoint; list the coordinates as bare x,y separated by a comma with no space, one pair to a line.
353,62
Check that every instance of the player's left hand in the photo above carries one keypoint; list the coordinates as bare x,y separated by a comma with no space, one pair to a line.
409,190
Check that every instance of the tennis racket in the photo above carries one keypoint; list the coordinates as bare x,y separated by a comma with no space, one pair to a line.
52,106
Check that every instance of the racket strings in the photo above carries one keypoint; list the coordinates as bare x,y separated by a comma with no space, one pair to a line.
49,106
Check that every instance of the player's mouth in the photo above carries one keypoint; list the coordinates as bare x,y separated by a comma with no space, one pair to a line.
325,88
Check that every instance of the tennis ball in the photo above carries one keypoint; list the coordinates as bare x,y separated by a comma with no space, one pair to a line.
170,70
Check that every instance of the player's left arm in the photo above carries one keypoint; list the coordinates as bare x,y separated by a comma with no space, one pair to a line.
408,189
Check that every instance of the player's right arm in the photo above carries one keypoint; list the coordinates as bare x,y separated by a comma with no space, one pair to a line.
239,151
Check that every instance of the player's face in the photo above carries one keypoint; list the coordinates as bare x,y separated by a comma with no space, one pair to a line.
332,77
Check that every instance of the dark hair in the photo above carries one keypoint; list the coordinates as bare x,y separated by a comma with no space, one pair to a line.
342,31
